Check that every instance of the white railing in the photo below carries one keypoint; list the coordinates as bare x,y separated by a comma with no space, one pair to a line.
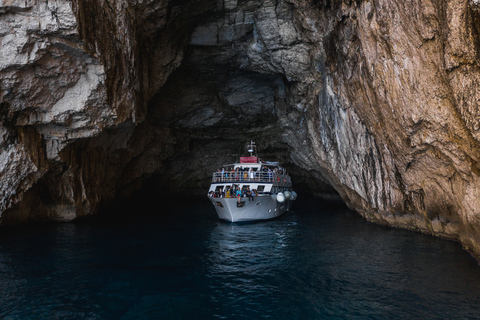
256,177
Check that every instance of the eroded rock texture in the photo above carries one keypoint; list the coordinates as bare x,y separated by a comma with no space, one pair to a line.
374,100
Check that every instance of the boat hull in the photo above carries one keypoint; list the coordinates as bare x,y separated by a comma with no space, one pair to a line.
260,208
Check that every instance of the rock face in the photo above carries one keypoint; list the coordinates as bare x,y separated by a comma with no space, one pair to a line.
373,100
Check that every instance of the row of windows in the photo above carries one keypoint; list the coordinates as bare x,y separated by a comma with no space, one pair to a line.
259,188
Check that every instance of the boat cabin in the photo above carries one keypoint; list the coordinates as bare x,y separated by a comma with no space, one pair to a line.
264,177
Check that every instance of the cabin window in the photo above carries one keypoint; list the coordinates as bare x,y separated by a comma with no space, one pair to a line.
219,188
260,188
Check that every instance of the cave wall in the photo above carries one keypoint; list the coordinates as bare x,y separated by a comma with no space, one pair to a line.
401,92
76,77
374,100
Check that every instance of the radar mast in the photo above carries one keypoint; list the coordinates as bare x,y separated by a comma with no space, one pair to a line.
252,148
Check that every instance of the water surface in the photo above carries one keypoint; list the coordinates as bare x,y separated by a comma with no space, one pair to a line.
319,262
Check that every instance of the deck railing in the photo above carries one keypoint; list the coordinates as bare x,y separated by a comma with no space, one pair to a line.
236,177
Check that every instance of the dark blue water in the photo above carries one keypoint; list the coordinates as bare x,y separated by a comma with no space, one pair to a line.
319,262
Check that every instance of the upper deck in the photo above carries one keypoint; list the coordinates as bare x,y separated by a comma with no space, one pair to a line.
253,172
252,169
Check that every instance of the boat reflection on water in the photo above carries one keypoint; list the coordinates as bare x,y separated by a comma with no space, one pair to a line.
246,261
253,245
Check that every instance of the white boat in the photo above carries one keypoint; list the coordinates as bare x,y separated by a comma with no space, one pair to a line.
271,184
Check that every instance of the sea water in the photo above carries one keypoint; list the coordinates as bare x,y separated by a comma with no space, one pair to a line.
320,261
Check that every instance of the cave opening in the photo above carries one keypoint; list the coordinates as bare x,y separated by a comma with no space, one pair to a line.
219,97
210,110
203,117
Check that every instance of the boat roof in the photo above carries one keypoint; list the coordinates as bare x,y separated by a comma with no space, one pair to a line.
256,164
252,160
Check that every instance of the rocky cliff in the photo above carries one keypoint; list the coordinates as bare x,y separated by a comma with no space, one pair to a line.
373,100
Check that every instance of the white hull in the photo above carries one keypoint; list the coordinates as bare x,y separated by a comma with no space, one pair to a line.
261,208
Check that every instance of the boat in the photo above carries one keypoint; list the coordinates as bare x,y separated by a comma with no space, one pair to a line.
251,189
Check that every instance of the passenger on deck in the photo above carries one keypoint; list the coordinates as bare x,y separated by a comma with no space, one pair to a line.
239,195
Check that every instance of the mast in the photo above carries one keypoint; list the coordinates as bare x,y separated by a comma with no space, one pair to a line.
252,148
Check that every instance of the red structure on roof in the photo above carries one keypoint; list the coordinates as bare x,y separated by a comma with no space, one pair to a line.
248,159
